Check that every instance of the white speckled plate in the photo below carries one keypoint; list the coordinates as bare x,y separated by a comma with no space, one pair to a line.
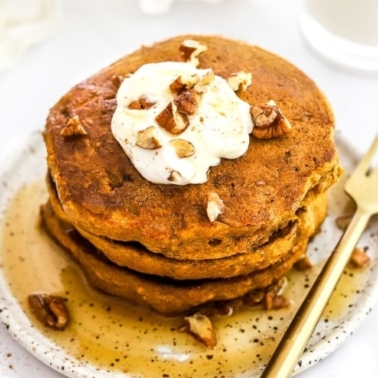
108,338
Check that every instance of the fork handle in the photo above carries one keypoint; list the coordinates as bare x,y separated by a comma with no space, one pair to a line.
294,341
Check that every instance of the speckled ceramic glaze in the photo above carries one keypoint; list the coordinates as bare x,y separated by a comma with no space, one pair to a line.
110,338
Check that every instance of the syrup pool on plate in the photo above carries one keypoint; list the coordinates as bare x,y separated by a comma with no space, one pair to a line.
110,338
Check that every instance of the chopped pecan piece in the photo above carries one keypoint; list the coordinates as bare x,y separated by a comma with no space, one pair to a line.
215,206
254,297
172,120
223,308
343,222
359,258
201,328
204,81
73,128
190,50
303,263
182,147
268,121
275,302
49,309
264,115
240,81
142,103
260,183
148,138
183,83
117,80
174,176
186,102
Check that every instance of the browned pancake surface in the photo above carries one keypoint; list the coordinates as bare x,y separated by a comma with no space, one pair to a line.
102,193
138,258
166,296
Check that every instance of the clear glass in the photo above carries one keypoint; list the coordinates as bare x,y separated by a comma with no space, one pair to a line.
344,32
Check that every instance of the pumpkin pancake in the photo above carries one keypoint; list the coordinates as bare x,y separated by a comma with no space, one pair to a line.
166,296
134,256
263,191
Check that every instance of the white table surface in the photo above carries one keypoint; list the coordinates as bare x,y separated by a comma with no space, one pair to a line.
95,33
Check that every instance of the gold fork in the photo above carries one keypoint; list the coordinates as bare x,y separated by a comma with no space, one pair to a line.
362,186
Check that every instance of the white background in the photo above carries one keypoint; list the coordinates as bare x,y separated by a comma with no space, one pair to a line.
94,33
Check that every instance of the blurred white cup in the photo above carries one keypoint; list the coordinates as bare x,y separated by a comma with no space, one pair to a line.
343,31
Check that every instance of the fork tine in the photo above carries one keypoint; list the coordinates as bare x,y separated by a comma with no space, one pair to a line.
364,164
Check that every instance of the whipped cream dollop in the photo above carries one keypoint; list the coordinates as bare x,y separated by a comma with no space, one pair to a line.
175,121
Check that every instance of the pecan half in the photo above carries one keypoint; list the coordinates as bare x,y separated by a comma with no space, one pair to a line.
148,138
73,128
49,309
269,121
142,103
215,206
182,147
190,50
201,328
172,120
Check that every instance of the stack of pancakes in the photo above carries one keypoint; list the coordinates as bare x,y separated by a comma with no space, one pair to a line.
154,244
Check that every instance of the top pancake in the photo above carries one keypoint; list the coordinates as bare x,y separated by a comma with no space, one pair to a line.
102,192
